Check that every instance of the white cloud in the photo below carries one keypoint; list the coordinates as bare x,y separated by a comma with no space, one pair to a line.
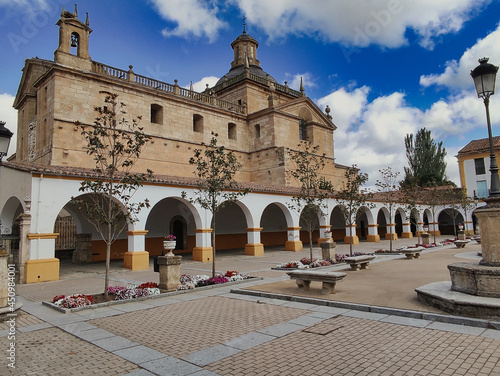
9,115
308,80
380,22
371,133
457,73
193,18
201,85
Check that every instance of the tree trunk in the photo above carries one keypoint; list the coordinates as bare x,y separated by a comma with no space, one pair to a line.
350,239
310,244
213,241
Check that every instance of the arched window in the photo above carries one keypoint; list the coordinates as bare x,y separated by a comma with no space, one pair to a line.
231,131
156,114
197,123
75,43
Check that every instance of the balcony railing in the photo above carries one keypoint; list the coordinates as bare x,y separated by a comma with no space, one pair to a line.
175,89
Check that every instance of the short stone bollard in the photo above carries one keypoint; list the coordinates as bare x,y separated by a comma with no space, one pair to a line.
170,272
328,250
425,238
4,289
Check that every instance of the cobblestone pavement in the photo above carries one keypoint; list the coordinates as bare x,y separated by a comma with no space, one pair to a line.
215,331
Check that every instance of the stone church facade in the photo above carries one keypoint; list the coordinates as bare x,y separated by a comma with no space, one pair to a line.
254,116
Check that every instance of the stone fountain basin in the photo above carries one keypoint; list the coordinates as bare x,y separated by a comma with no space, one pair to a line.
475,279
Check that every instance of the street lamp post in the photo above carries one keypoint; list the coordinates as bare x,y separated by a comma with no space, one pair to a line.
5,136
484,76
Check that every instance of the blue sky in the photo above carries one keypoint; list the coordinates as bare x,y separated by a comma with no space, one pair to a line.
386,68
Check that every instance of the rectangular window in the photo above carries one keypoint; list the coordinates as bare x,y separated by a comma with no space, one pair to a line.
302,130
231,131
479,163
482,189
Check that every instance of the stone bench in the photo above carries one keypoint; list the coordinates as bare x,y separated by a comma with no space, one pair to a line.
461,243
329,279
411,253
359,262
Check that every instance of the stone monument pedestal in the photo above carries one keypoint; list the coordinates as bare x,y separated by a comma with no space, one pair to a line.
170,272
328,250
426,238
473,279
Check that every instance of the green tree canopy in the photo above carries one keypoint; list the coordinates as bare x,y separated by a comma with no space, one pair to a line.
426,164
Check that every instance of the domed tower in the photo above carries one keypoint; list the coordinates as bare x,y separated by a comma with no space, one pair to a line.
246,83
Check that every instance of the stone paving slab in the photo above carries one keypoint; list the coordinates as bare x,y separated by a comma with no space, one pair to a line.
206,356
248,341
139,354
170,366
114,343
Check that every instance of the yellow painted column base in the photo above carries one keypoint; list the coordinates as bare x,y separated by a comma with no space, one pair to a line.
293,245
407,235
437,233
136,260
373,238
42,270
388,236
256,249
355,240
203,254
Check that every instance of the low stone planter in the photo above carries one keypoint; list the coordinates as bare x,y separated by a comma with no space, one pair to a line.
161,295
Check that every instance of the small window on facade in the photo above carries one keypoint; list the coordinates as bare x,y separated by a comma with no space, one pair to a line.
482,189
302,129
156,114
479,163
197,123
257,130
231,131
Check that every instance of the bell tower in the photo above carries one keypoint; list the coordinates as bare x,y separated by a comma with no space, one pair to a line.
73,49
245,51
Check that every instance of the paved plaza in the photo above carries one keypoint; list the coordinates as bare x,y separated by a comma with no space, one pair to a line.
372,325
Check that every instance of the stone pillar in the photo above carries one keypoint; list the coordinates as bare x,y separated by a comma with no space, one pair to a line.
328,250
293,243
373,235
407,231
24,246
461,235
203,250
42,266
489,222
136,258
391,228
170,272
434,228
355,238
254,246
4,280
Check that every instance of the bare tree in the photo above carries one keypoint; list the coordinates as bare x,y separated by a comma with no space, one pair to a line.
215,171
115,143
387,187
353,198
310,202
